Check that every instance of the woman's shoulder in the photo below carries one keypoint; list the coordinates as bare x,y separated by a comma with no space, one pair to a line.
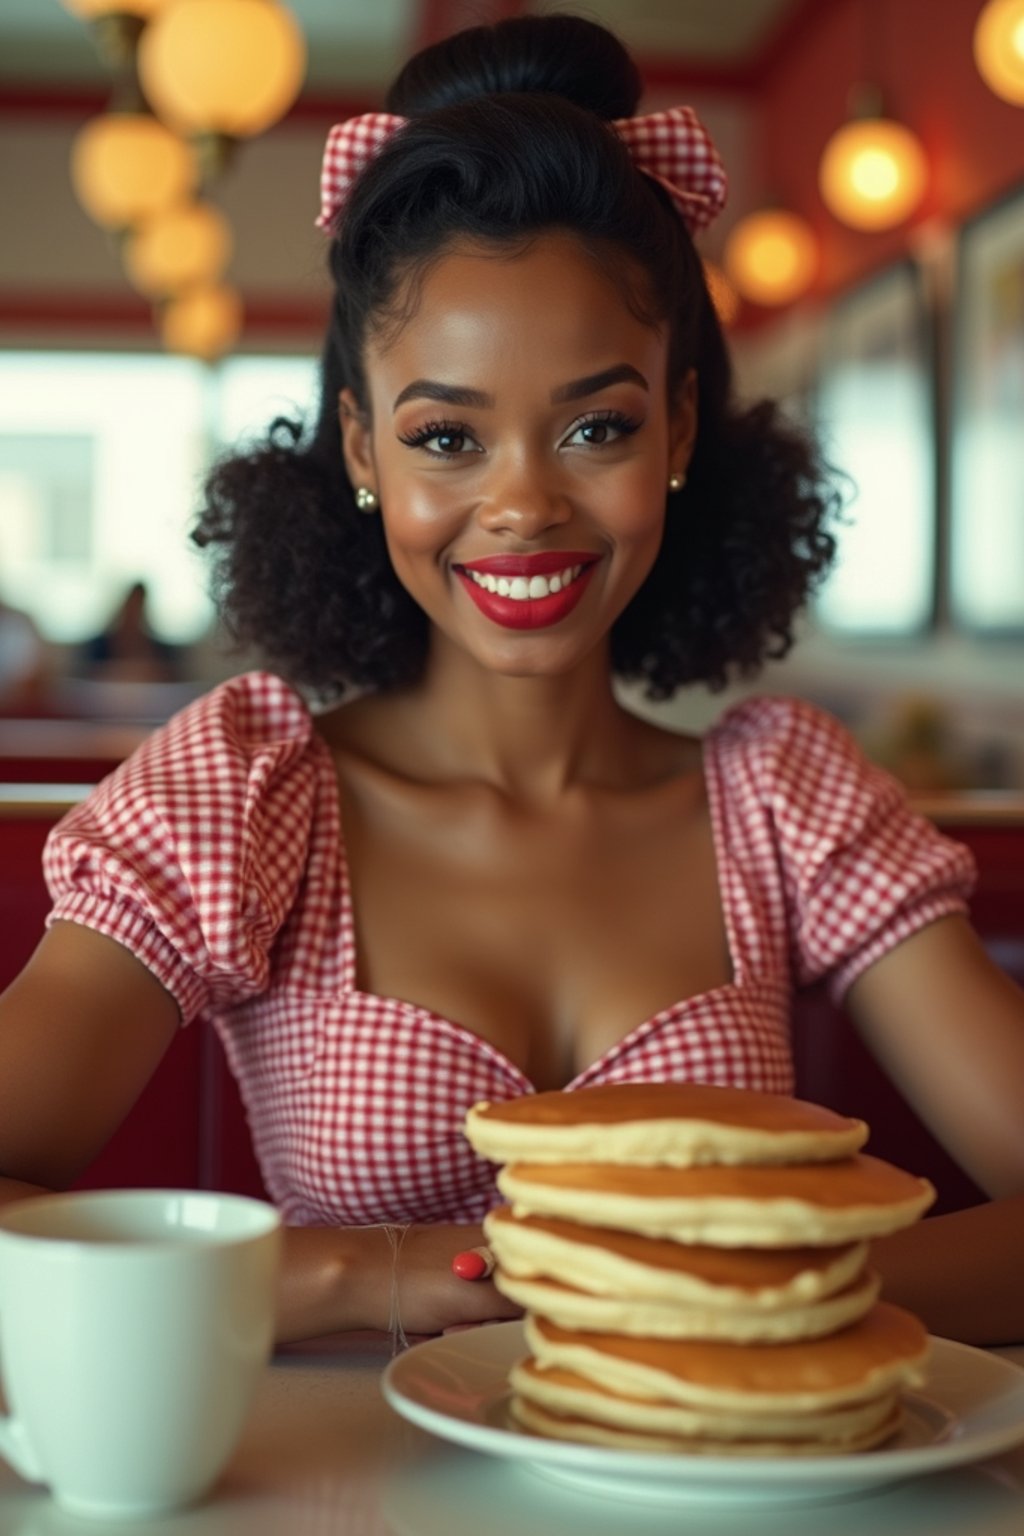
244,718
247,744
257,706
799,761
862,870
770,727
192,851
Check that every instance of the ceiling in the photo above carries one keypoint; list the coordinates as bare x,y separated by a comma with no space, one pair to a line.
357,46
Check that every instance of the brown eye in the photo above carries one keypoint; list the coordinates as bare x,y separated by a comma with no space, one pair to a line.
602,431
441,440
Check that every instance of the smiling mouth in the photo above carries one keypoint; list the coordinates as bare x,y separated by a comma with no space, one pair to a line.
524,589
518,600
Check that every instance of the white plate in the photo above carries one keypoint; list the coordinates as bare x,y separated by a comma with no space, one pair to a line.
456,1386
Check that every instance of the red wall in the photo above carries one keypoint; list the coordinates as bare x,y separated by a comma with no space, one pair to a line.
923,51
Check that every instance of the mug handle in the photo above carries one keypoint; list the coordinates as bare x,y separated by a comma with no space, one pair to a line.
16,1448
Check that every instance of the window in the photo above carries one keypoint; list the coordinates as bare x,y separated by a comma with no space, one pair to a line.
101,459
876,416
987,570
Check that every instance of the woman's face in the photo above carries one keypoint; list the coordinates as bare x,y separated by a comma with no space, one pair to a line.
520,439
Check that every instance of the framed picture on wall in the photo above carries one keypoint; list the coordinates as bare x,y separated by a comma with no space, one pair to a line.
875,406
987,479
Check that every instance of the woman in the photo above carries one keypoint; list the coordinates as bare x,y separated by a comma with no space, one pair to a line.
483,875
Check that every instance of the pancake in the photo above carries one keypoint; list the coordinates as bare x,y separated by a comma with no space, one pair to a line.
847,1201
676,1125
884,1351
571,1308
692,1262
586,1432
609,1263
571,1395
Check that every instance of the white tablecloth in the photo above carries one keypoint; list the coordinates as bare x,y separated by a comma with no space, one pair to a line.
323,1455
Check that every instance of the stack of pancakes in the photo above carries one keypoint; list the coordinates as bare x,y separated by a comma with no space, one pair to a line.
693,1262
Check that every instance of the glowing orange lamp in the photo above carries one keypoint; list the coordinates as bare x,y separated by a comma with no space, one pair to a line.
203,322
125,167
873,171
771,257
230,68
999,49
184,245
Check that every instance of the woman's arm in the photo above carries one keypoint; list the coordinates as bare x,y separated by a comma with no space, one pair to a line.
962,1274
358,1277
948,1027
82,1030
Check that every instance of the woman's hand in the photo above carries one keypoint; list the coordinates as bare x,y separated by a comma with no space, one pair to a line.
430,1298
389,1278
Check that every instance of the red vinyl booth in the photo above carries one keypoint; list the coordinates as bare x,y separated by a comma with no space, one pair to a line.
188,1128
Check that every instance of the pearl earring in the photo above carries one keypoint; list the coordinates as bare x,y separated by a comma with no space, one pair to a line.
366,499
676,482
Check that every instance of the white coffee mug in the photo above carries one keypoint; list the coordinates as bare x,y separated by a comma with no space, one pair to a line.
133,1328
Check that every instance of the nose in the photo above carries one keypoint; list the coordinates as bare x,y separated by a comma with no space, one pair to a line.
525,500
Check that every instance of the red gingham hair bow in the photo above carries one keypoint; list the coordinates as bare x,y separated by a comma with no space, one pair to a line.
672,147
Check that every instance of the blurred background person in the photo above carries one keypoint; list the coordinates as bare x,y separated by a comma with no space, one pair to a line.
128,650
24,663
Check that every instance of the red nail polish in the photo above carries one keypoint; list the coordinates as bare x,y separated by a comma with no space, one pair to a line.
473,1264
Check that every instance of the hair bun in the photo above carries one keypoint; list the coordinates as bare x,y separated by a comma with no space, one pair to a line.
560,55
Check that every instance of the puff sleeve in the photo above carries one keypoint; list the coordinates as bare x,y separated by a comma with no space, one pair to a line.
191,852
860,870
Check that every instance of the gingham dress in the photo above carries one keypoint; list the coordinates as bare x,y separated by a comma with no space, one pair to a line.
215,855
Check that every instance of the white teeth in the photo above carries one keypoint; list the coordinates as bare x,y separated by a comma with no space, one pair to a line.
521,588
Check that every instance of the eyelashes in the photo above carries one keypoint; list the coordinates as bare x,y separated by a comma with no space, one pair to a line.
618,421
624,425
432,429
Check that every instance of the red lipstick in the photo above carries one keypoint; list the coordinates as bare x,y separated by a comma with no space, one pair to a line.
541,563
528,612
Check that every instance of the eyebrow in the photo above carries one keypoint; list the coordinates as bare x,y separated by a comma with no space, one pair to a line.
622,373
578,389
448,394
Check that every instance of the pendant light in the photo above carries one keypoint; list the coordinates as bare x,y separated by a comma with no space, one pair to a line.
771,256
187,244
203,322
873,171
126,167
221,70
999,49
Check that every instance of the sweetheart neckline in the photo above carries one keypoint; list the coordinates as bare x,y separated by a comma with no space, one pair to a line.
738,981
638,1031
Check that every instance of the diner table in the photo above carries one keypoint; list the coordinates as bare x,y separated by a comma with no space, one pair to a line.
322,1452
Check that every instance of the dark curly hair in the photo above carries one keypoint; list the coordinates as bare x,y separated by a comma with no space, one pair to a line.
507,138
